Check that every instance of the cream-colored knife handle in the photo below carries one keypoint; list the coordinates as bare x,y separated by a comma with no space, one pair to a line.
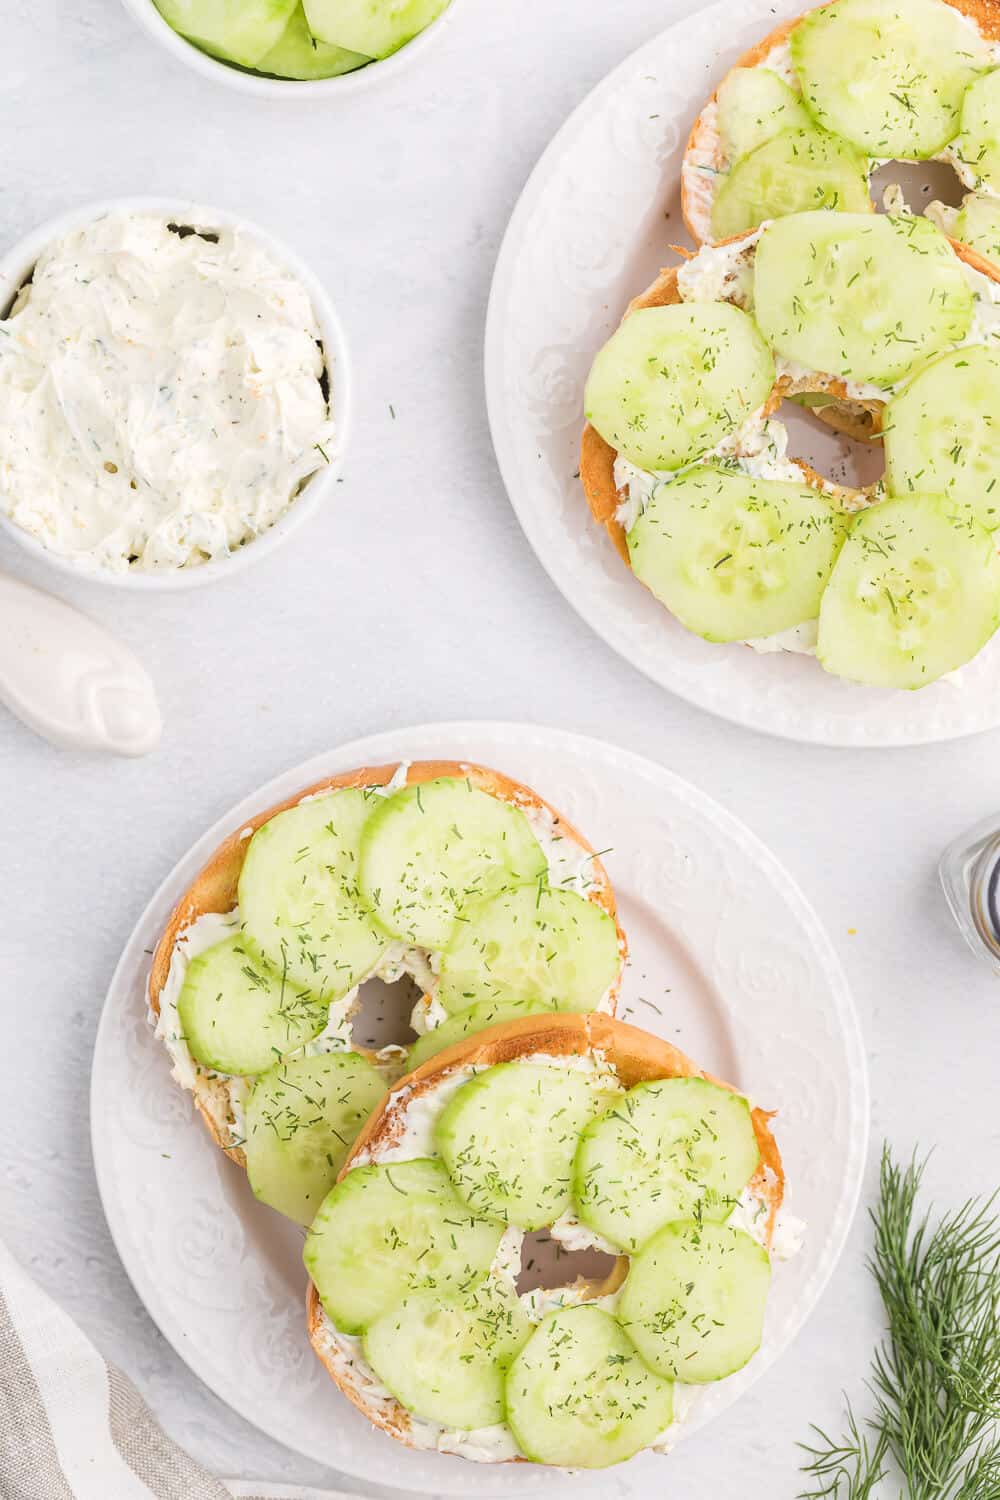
69,680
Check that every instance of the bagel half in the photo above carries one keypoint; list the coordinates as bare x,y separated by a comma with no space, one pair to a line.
703,158
635,1055
215,888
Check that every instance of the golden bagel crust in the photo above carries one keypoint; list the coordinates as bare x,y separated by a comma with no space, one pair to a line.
859,419
214,888
636,1056
704,141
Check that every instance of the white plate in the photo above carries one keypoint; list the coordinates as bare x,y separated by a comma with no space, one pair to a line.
588,233
728,961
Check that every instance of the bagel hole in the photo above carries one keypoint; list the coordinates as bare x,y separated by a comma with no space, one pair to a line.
846,460
922,182
545,1262
382,1017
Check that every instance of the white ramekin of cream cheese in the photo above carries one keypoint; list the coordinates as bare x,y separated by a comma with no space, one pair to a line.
175,393
264,87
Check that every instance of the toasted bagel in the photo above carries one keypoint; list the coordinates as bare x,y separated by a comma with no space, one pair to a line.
214,890
703,157
636,1057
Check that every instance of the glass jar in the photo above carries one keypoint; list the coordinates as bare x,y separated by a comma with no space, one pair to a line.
970,875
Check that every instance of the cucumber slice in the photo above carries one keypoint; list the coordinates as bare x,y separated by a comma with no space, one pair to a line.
302,1118
942,432
667,1150
238,1016
553,948
466,1023
299,896
866,296
755,105
978,145
299,54
387,1231
888,75
978,225
431,850
509,1137
374,27
915,593
579,1396
239,31
445,1358
674,381
794,171
693,1302
736,558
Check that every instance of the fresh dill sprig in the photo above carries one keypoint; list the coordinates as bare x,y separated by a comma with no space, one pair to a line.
935,1379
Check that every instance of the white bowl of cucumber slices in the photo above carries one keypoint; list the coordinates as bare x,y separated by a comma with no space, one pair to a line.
283,49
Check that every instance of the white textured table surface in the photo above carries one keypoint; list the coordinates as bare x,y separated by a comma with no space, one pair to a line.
415,598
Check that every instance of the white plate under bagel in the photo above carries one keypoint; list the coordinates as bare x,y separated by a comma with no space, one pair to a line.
592,228
729,962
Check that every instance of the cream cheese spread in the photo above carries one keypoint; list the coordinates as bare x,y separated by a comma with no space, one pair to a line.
161,396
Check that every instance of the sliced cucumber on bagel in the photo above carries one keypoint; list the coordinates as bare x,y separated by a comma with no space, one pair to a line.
915,593
978,225
553,948
865,296
942,432
672,382
299,896
374,27
387,1231
666,1150
889,75
736,558
977,147
445,1358
755,104
693,1302
579,1396
432,850
302,1118
466,1023
791,173
509,1137
238,1015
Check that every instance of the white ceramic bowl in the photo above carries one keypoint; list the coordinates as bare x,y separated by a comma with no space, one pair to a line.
151,21
15,268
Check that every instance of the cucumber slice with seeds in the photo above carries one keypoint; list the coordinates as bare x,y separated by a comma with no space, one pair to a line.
238,1016
386,1231
977,146
915,593
889,75
550,947
299,54
579,1396
942,432
240,31
302,1118
433,849
736,558
693,1302
374,27
299,896
978,225
754,105
467,1023
672,382
509,1137
666,1150
866,296
795,171
445,1358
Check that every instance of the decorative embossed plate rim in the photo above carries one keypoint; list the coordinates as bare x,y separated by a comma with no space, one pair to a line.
587,234
755,991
